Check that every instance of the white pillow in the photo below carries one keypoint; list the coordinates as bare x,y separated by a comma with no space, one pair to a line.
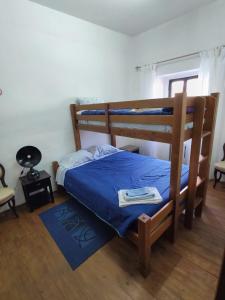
87,100
76,158
102,150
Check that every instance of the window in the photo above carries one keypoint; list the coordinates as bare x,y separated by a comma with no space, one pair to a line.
190,85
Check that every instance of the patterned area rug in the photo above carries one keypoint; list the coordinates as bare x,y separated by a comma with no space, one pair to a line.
77,231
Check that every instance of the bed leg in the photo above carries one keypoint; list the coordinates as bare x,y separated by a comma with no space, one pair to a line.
144,225
113,140
202,194
188,219
172,230
198,210
189,212
171,233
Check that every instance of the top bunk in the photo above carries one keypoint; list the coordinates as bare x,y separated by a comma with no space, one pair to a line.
151,119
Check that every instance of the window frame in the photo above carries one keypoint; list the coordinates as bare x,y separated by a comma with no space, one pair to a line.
184,79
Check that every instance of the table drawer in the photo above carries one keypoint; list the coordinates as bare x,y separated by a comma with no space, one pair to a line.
38,185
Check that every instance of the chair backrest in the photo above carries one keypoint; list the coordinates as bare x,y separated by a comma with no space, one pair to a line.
223,151
2,175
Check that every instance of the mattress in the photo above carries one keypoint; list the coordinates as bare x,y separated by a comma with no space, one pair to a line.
96,185
139,111
149,127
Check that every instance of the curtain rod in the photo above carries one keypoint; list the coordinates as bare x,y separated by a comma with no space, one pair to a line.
172,59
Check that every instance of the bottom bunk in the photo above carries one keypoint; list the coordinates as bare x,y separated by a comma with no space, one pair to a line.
96,184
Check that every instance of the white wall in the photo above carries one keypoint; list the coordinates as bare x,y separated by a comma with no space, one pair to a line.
46,59
201,29
198,30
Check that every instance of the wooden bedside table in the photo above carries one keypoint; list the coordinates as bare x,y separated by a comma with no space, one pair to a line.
130,148
37,189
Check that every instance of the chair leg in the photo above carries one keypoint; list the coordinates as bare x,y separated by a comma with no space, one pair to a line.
216,178
12,206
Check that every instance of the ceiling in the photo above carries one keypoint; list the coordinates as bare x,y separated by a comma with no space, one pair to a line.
127,16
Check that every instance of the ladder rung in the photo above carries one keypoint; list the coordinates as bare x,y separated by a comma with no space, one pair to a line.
206,133
202,158
199,181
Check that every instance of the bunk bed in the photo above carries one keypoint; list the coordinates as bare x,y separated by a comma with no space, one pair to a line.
169,120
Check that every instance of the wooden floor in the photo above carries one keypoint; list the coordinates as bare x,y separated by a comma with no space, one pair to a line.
32,266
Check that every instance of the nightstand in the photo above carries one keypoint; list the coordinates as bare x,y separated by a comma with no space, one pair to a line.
130,148
37,191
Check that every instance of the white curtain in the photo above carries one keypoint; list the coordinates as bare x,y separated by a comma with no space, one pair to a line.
150,86
212,79
146,81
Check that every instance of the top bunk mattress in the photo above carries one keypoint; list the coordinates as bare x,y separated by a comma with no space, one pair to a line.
96,185
126,112
150,127
140,111
133,112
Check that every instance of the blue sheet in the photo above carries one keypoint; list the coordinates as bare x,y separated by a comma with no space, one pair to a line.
96,185
127,112
164,111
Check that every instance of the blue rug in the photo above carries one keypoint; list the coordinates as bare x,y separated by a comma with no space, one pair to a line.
77,231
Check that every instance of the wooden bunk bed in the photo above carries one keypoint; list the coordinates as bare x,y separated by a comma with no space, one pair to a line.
202,114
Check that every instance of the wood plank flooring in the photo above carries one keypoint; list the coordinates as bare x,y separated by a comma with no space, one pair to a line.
33,268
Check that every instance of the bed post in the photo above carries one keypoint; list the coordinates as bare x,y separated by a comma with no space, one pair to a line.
179,113
206,149
113,140
107,125
144,246
76,130
198,122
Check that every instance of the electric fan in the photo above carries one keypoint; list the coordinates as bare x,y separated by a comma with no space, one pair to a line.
29,157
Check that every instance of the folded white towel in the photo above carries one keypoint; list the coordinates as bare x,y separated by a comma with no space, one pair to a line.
138,193
154,198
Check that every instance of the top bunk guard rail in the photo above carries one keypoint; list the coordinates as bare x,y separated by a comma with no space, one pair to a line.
147,103
89,106
132,104
106,121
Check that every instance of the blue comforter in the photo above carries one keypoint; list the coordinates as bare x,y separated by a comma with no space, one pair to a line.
96,185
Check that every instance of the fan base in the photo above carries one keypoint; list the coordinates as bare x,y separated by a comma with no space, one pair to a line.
33,174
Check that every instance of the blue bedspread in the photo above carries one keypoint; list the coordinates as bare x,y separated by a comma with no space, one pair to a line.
96,185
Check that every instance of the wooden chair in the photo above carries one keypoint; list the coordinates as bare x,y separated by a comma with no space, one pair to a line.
219,168
7,195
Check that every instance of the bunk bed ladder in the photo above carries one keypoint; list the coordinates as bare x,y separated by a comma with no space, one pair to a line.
200,157
194,159
206,150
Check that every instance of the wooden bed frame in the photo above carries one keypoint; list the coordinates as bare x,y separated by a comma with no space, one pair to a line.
220,293
192,197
